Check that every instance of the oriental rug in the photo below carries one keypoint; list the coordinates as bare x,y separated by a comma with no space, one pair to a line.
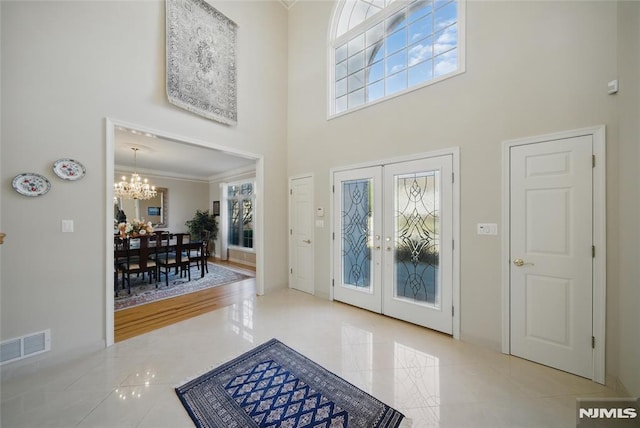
274,386
142,292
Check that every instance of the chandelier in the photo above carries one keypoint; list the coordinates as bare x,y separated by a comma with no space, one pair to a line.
136,187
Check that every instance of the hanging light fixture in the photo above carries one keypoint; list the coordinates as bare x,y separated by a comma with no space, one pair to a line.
136,187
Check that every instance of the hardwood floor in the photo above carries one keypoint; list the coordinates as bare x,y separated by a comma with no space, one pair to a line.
145,318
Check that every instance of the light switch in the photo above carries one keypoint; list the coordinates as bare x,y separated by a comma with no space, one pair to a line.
67,226
487,229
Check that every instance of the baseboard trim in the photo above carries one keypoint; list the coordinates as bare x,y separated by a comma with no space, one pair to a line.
614,383
241,262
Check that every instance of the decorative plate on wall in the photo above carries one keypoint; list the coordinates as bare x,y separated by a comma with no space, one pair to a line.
31,184
69,169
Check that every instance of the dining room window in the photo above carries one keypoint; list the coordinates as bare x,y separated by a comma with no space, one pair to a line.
241,201
384,48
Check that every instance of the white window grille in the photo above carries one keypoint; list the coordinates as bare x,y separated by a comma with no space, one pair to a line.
240,203
383,48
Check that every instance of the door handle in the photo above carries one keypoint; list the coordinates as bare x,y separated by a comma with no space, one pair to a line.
520,263
307,241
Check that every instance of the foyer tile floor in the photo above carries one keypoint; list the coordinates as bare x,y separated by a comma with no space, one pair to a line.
434,380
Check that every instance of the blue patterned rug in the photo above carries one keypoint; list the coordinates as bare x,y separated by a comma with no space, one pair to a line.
274,386
142,292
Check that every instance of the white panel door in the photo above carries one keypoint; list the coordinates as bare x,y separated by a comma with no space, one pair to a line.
551,253
301,235
357,237
418,242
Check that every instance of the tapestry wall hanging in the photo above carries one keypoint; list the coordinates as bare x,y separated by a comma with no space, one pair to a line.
201,60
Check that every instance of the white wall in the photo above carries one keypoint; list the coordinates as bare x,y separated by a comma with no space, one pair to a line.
184,198
629,195
532,68
66,66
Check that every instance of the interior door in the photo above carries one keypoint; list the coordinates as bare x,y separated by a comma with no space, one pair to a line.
551,240
301,235
357,237
418,240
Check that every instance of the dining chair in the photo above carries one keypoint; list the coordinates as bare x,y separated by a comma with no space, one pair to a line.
174,256
200,252
119,257
137,260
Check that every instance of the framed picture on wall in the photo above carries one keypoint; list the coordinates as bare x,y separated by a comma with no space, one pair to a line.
216,208
153,210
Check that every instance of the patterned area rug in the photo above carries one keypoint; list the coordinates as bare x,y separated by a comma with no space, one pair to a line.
274,386
142,292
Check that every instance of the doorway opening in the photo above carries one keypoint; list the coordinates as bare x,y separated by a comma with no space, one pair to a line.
172,153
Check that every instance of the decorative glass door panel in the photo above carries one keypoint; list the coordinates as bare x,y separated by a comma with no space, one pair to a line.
418,233
417,238
393,243
357,233
357,217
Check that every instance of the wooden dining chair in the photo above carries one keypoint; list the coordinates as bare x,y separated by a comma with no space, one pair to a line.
199,252
138,261
119,257
175,256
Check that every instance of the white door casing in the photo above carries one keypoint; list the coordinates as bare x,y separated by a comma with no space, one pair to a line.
553,219
301,239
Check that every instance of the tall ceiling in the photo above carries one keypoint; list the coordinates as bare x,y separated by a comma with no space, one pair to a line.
170,158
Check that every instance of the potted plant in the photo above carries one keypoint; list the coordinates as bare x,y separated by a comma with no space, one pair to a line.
203,225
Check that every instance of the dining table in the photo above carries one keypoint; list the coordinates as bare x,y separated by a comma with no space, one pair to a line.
199,246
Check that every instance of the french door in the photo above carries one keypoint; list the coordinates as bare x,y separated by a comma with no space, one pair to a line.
393,240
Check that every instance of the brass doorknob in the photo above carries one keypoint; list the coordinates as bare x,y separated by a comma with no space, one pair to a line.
307,241
520,263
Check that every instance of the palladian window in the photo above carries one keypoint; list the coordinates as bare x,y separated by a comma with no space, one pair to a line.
383,48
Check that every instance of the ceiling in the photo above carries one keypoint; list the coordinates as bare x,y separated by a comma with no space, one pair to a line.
171,158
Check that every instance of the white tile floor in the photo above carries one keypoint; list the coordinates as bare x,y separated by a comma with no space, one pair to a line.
434,380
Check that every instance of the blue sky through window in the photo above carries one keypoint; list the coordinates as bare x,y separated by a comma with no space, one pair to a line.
415,44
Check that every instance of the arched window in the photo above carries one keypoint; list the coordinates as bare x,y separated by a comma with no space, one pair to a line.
382,48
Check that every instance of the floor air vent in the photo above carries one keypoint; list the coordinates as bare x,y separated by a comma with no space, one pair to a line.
25,346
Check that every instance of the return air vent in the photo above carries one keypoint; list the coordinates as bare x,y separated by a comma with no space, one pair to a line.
25,346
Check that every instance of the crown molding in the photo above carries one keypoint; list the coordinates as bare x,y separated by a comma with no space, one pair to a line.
233,174
152,173
288,3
